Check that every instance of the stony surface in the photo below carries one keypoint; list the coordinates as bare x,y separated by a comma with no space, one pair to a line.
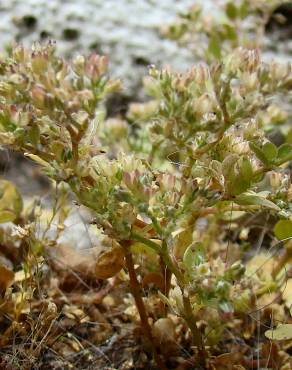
126,30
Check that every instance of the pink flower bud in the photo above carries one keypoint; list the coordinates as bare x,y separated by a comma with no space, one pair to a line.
38,95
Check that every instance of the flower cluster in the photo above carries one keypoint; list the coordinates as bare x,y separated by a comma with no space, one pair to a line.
48,106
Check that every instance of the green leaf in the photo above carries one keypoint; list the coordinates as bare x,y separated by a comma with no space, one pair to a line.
164,299
57,147
214,47
246,171
10,202
251,198
34,135
6,216
243,10
238,174
231,10
289,136
270,151
230,32
228,164
284,153
283,229
140,248
282,332
259,153
194,256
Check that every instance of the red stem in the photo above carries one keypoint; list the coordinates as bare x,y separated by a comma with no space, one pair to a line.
136,291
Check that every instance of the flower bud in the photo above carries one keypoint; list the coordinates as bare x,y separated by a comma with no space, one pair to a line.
279,71
80,117
276,115
116,128
18,53
250,81
96,66
178,84
153,71
252,58
79,65
275,180
39,63
7,138
236,270
222,288
100,62
113,86
204,104
6,89
201,74
85,95
242,301
243,59
38,95
18,80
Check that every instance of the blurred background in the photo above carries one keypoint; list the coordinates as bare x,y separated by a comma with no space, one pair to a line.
125,30
128,32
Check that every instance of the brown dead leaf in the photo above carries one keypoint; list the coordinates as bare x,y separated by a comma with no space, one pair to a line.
268,304
66,258
6,278
165,336
75,313
261,266
228,361
110,262
154,278
98,262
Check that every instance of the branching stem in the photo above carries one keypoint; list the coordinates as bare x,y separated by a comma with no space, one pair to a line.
283,261
188,313
136,291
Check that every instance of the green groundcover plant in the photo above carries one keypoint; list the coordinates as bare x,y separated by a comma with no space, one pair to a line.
209,120
171,187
